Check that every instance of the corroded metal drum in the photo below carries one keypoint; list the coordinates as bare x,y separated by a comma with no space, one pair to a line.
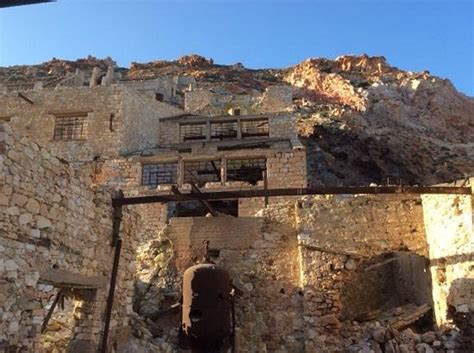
206,311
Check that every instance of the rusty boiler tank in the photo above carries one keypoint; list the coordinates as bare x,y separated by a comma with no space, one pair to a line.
206,309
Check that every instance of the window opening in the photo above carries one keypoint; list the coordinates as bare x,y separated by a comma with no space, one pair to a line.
159,174
254,128
159,97
192,132
111,122
224,130
195,209
201,172
70,128
249,170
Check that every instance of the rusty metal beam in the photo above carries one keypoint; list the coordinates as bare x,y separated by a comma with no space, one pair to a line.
223,195
205,203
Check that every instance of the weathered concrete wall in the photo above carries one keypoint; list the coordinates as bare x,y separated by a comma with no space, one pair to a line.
55,232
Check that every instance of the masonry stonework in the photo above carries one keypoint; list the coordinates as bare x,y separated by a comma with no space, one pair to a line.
55,233
331,273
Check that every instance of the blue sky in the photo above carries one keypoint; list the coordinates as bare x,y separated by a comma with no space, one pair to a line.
436,35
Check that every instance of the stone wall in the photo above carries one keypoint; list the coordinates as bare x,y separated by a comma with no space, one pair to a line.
141,116
280,126
261,257
119,120
210,102
55,233
284,169
449,231
37,120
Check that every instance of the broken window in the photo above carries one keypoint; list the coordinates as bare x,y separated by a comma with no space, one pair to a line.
224,130
70,128
201,172
159,174
249,170
254,128
192,132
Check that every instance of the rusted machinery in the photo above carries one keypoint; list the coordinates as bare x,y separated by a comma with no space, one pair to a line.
207,322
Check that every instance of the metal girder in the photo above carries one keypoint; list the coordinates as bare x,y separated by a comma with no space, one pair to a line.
222,195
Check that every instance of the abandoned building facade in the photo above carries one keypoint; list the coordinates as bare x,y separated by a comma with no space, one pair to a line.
307,268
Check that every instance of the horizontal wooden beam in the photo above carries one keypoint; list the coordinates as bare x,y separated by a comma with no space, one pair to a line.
238,194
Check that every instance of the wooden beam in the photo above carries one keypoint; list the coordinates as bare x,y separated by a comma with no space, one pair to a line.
349,190
205,203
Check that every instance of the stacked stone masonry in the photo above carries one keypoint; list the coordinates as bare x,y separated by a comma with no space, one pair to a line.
312,270
314,274
55,232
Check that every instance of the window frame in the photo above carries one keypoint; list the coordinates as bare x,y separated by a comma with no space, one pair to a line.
225,137
182,137
66,127
187,173
151,178
230,173
247,135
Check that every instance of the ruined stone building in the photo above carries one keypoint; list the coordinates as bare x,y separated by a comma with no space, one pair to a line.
373,269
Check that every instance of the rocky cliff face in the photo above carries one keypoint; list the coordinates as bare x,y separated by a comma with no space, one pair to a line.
362,120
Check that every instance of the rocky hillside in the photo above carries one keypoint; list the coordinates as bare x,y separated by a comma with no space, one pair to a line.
362,120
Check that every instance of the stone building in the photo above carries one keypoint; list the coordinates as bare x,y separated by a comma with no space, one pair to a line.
82,124
314,273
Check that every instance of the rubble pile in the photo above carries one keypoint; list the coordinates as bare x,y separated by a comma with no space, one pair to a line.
379,338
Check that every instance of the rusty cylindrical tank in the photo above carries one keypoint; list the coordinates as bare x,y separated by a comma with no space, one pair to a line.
206,311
